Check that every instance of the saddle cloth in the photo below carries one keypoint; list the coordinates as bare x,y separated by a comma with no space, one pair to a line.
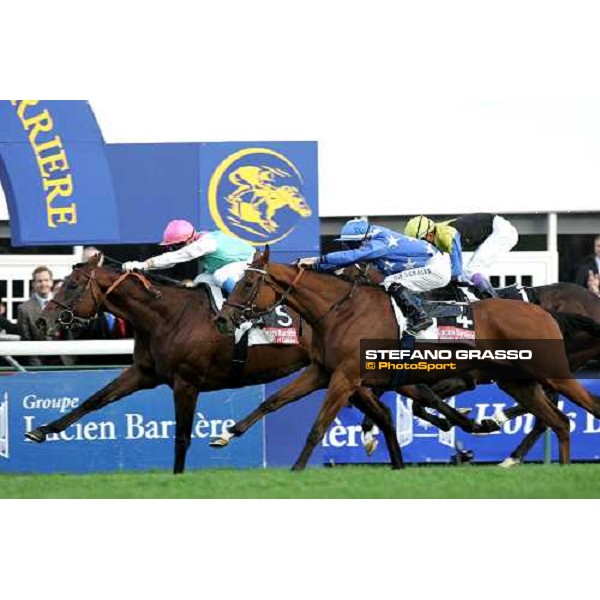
451,321
272,331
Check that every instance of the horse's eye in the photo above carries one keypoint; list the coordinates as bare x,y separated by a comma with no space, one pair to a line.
71,285
248,284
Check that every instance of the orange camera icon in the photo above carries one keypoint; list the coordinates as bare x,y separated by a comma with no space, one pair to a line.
370,365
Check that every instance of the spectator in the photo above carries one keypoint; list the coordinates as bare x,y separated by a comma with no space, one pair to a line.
593,283
589,267
29,312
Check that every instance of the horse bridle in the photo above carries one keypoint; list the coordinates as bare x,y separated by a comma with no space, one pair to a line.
67,317
253,313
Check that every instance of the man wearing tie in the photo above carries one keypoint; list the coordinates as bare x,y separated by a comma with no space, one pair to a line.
29,311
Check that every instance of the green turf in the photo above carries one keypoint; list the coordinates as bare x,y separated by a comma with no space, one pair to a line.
530,481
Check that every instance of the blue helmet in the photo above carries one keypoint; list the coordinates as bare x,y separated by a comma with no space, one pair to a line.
355,230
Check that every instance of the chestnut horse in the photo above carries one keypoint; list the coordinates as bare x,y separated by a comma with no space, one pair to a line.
582,343
176,343
342,312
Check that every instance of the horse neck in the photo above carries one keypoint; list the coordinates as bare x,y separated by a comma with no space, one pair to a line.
313,294
132,302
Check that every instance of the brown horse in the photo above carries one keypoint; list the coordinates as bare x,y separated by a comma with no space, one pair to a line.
342,312
176,343
582,343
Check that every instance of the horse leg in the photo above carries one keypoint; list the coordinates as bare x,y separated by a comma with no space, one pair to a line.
420,412
574,391
365,400
338,392
369,441
185,396
129,381
532,397
518,455
423,394
452,386
311,379
527,443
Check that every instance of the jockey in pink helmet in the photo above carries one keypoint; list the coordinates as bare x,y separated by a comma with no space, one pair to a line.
223,258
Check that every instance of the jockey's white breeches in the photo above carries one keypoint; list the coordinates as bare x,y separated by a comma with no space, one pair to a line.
435,274
503,238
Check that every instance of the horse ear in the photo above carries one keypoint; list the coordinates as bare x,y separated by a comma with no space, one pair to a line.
266,254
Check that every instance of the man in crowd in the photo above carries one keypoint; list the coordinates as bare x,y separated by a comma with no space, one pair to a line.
30,310
587,271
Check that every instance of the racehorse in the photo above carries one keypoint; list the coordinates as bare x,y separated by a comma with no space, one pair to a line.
177,343
342,312
581,343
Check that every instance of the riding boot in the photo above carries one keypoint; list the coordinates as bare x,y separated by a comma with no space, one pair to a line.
484,286
416,318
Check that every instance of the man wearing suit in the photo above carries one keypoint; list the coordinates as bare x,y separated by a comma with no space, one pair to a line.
587,270
29,312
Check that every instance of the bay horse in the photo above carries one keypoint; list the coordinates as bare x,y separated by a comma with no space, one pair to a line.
176,343
341,312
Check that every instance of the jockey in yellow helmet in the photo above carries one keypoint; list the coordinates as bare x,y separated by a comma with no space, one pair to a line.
484,234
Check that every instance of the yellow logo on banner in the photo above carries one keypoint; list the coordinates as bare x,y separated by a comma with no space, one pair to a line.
255,194
52,162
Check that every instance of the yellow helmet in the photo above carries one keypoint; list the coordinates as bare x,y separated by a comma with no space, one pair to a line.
419,227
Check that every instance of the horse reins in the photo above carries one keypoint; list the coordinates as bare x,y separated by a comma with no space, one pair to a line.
248,312
66,317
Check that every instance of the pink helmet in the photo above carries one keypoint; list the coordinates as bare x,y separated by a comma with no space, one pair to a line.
178,231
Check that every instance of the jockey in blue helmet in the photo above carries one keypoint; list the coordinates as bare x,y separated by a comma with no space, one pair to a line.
408,264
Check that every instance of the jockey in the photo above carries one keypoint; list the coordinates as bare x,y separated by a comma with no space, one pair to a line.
408,264
223,257
484,234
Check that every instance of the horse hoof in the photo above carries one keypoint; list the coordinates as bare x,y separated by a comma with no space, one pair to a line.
222,441
219,443
35,435
371,446
509,462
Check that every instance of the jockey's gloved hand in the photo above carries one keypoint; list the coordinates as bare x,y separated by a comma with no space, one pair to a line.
133,265
308,263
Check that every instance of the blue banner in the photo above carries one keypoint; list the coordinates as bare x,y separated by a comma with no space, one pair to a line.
137,432
421,442
134,433
262,192
55,174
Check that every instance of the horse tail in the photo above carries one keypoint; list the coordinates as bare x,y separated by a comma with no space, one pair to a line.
571,323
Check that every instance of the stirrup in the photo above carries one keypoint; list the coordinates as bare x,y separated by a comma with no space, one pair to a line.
414,328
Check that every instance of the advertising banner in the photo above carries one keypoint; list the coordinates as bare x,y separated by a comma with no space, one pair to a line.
134,433
421,442
261,192
55,174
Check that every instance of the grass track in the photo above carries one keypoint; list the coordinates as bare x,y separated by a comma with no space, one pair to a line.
529,481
